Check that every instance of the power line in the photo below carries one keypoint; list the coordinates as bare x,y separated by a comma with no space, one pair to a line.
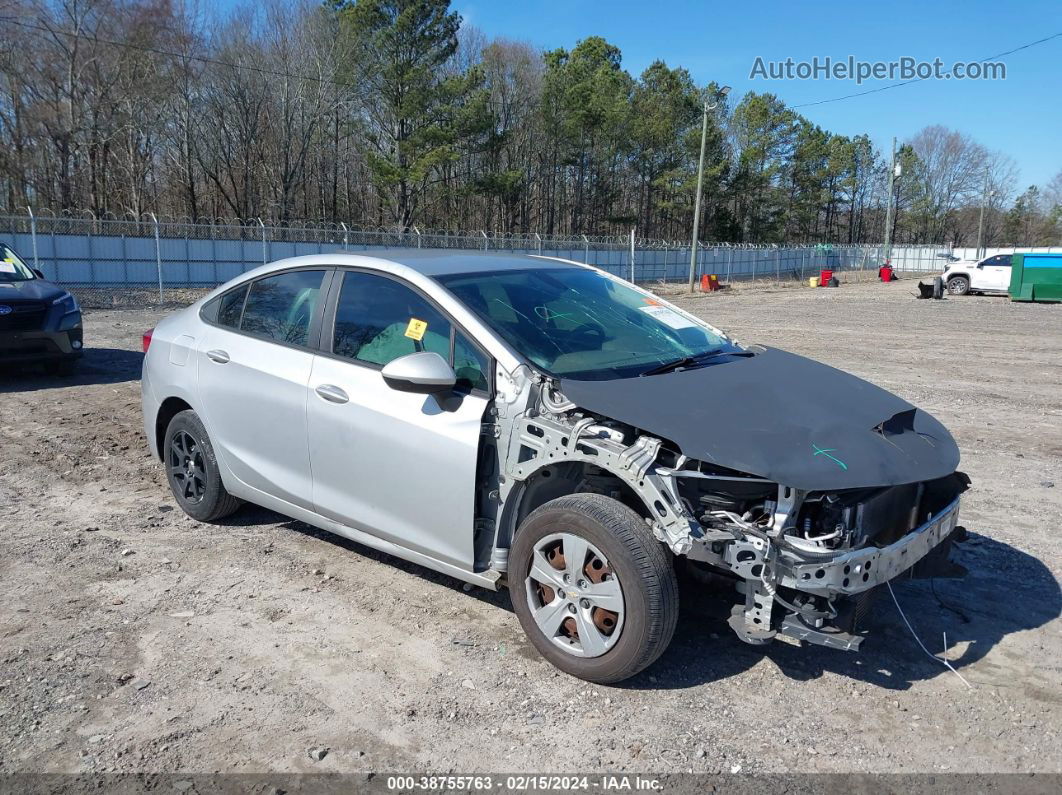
170,54
41,29
920,79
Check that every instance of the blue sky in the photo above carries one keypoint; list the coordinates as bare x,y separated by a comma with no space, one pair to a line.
1021,115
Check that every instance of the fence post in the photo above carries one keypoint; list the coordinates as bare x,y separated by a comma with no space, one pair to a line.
538,242
265,251
417,233
158,253
33,236
729,260
586,250
485,239
346,235
632,255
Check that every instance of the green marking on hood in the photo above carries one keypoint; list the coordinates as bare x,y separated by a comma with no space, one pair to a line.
820,451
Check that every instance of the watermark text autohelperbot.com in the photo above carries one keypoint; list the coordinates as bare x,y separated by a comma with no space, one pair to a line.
851,68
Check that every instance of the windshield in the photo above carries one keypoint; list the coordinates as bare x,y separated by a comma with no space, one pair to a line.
13,269
580,324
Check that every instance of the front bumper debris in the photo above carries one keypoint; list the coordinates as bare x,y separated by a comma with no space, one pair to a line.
862,569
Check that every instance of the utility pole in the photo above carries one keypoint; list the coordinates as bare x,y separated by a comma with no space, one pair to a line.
981,220
700,179
888,207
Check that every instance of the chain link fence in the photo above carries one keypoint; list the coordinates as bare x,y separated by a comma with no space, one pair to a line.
143,260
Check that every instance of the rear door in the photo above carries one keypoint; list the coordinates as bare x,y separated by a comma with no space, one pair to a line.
401,466
254,365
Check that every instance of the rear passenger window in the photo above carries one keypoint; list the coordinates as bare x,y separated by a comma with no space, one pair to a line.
281,307
230,307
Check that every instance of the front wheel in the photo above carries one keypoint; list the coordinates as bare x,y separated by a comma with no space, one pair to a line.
192,470
595,592
958,285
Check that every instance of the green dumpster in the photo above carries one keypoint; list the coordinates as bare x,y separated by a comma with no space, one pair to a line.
1036,277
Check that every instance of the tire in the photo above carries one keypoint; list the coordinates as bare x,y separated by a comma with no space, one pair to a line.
640,564
938,288
958,285
192,470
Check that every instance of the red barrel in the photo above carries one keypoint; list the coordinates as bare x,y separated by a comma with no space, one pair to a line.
824,278
885,273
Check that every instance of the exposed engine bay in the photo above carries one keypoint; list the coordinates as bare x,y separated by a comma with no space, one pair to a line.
805,563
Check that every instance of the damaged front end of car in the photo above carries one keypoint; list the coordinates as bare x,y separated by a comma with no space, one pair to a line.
807,545
809,563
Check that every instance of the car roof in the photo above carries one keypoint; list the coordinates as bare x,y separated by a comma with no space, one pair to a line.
444,262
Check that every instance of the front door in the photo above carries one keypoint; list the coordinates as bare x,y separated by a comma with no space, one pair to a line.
996,272
398,465
254,367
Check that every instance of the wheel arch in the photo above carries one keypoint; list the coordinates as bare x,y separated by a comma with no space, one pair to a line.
170,408
553,479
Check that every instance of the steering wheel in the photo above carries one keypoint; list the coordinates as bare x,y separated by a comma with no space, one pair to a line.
593,329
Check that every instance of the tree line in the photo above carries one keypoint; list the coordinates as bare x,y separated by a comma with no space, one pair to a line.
391,113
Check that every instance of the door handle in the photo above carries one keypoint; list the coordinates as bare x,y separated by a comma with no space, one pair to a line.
218,356
333,394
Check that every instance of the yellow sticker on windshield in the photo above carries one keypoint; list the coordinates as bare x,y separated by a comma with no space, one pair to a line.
416,328
9,260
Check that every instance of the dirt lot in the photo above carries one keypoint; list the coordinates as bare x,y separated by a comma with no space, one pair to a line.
133,638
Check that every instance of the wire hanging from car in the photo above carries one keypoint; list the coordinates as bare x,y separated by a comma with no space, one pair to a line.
943,661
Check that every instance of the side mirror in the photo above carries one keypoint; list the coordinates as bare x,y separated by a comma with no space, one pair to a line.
424,373
39,274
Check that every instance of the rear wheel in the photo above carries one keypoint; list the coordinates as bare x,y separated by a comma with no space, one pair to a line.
595,592
192,470
958,285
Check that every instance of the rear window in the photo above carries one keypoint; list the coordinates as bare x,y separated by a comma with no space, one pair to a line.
281,307
230,307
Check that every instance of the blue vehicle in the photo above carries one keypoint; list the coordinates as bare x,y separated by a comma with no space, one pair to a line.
40,322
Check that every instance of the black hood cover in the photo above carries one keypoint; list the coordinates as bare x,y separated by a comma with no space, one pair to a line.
783,417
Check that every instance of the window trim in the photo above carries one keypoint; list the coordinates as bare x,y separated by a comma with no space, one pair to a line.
313,335
328,324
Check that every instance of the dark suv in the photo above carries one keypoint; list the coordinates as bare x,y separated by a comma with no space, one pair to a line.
39,321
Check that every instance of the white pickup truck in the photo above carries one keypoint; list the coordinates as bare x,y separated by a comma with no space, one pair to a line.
989,275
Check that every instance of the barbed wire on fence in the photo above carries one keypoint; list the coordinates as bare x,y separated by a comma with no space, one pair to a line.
135,251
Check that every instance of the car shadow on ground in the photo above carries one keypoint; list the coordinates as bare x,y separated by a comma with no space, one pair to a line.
1006,591
96,366
250,515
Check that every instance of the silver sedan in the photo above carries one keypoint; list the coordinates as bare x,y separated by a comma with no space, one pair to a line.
537,423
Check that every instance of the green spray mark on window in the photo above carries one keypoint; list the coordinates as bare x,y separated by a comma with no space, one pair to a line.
819,451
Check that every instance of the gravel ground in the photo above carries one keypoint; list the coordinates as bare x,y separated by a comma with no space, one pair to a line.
134,639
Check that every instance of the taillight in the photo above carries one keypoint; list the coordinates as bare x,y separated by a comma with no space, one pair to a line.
146,339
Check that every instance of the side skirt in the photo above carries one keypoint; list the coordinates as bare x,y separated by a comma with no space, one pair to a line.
487,579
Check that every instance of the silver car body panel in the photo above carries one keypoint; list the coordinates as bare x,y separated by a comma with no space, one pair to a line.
254,408
399,465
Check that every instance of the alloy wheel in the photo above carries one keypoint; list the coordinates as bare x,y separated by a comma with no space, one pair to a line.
186,467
